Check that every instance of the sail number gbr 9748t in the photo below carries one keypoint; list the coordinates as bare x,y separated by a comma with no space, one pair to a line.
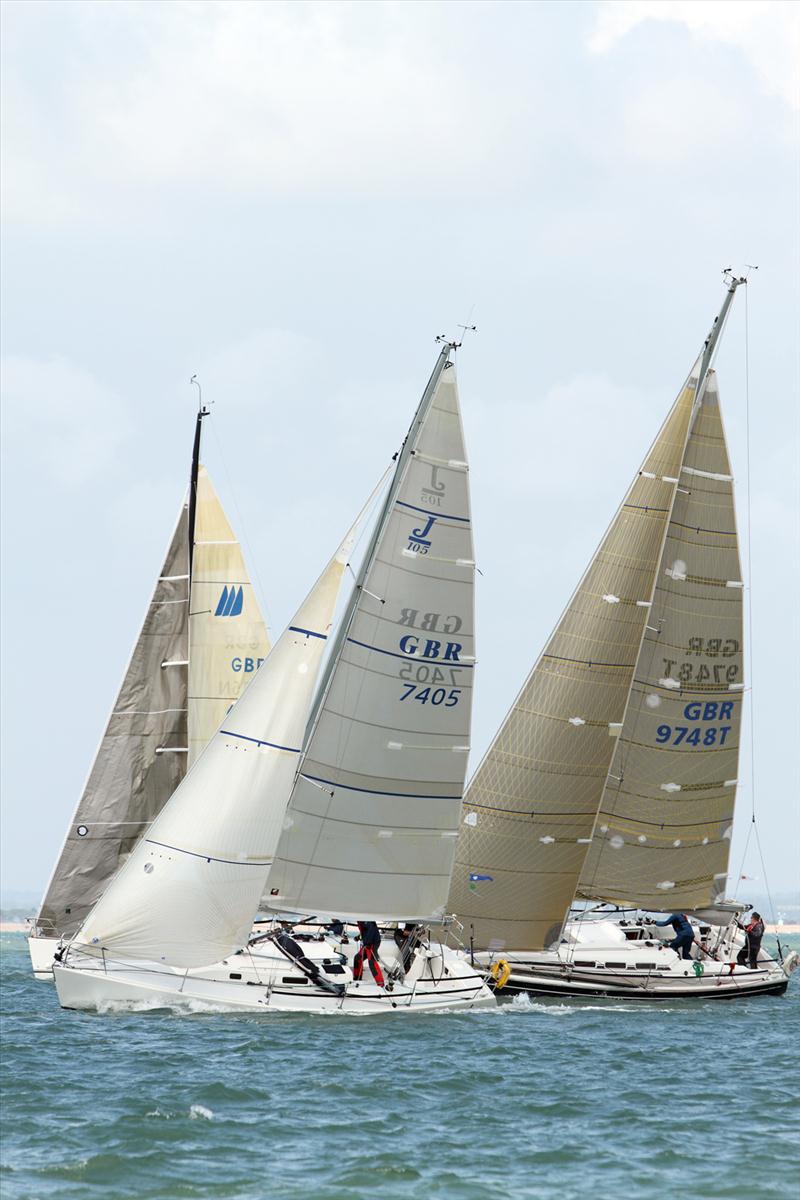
704,734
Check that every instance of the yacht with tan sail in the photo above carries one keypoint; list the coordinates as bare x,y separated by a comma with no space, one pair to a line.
612,780
330,795
202,639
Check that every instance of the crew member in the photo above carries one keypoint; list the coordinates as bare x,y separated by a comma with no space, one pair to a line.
406,940
368,952
753,933
684,934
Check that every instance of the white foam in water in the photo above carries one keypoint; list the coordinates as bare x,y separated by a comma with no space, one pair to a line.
199,1111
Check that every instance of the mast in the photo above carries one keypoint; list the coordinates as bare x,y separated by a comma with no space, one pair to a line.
202,411
710,344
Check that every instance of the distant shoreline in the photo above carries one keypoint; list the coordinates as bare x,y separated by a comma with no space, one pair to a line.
22,927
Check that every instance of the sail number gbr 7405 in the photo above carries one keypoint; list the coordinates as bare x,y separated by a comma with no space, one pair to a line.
699,735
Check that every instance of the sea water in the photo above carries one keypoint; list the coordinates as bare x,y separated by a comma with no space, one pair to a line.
547,1098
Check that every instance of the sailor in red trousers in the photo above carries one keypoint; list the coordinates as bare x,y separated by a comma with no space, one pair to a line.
370,941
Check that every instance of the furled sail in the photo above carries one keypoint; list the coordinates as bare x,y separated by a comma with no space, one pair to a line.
188,893
228,640
371,825
530,808
141,758
662,836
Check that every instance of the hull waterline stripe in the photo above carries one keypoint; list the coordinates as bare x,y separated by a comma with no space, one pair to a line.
259,741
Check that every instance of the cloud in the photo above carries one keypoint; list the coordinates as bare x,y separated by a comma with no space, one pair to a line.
280,98
59,414
767,32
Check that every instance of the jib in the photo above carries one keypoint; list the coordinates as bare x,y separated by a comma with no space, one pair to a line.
712,710
246,664
410,645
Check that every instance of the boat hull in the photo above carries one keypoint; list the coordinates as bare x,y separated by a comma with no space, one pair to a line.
263,982
42,950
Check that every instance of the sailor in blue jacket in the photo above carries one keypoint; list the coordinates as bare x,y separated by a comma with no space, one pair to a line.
684,934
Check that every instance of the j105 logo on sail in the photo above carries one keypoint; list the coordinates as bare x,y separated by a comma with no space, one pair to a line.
418,540
230,602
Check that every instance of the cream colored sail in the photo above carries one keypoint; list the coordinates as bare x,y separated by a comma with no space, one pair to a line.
662,836
370,829
530,808
228,640
188,893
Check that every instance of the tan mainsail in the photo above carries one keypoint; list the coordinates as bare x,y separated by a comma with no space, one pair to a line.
228,640
663,829
530,808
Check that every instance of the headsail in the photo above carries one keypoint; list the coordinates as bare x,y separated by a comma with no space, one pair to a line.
228,640
370,829
188,893
663,829
142,755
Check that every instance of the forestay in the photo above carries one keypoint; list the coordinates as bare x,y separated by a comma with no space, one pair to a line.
530,807
142,755
371,825
228,640
188,893
663,830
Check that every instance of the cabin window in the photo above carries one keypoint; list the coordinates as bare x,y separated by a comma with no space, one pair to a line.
235,975
645,966
294,979
582,963
616,966
333,969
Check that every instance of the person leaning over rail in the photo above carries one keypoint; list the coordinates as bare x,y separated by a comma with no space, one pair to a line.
684,934
753,933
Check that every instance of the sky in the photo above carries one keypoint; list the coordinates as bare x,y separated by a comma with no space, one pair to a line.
292,201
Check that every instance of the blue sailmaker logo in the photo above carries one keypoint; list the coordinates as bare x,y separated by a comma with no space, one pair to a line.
230,602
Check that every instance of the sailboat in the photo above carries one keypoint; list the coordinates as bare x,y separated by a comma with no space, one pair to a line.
612,779
202,639
311,803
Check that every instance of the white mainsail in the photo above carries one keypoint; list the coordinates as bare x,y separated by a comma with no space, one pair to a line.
188,893
531,809
188,665
371,825
662,835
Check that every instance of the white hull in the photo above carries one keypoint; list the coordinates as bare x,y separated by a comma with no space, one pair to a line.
41,950
627,960
259,979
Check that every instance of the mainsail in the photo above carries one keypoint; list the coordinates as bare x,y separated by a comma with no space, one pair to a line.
663,829
531,809
186,669
188,892
227,637
371,825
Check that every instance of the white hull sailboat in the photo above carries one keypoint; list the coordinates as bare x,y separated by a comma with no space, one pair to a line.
613,777
202,639
339,798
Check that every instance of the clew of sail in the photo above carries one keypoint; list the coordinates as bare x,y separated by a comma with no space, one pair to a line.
530,808
371,825
142,755
188,893
227,637
663,828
